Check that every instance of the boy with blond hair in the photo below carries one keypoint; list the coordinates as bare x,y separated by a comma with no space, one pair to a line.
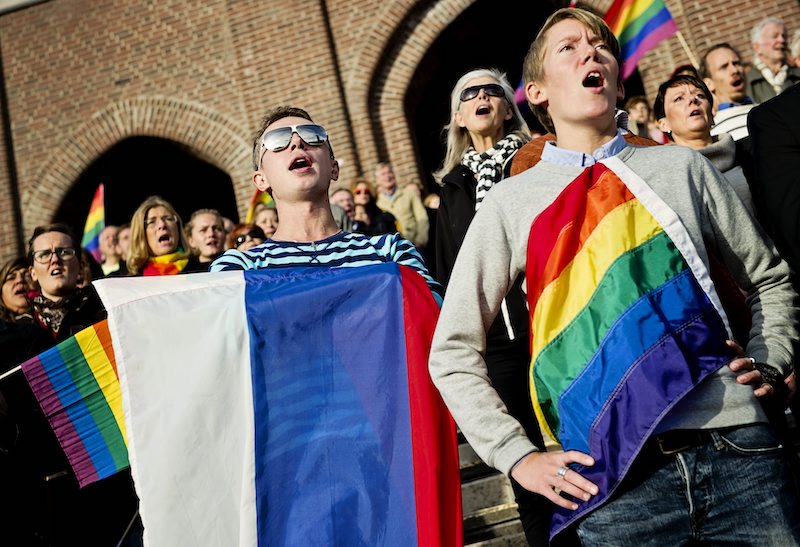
633,370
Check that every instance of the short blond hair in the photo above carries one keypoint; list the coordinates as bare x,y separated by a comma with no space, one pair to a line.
533,66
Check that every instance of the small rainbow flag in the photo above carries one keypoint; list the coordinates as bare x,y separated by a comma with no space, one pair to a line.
95,222
258,197
639,25
77,386
624,320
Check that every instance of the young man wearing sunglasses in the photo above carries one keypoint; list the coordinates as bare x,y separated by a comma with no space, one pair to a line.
294,162
632,367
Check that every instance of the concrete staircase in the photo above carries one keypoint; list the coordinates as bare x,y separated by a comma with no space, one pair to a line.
490,513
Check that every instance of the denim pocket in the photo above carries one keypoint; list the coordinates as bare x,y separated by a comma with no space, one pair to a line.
754,439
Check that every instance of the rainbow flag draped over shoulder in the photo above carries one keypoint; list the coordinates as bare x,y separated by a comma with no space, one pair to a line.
625,320
95,222
77,387
285,407
639,25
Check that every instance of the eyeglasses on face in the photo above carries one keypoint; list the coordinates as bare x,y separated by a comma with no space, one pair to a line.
44,256
492,90
247,237
360,192
278,139
167,219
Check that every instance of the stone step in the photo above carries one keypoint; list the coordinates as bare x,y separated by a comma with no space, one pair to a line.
486,492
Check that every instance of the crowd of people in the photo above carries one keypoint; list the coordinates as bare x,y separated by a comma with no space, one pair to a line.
476,232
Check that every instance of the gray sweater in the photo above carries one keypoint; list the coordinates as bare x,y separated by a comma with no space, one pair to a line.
494,254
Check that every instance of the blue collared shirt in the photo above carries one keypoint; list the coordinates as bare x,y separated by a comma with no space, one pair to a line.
746,100
561,156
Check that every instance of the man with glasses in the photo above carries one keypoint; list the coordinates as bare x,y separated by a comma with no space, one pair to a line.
45,493
55,264
295,164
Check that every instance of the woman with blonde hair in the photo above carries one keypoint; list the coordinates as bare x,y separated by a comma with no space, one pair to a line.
485,131
158,244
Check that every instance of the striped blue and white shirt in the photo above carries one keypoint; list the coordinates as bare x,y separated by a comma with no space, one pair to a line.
342,250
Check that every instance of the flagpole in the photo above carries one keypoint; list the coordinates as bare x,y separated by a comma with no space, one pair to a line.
10,372
685,46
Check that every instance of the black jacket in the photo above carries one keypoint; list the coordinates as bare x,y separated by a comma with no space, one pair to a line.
456,210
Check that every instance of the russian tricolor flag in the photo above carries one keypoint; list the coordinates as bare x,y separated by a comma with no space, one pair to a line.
285,407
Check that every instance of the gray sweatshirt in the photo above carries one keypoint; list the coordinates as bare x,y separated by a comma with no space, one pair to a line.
494,254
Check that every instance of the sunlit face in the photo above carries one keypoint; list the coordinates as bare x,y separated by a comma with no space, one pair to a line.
771,44
385,179
161,227
484,115
208,236
298,173
361,194
57,277
726,75
14,292
688,113
124,242
267,220
344,199
581,78
108,241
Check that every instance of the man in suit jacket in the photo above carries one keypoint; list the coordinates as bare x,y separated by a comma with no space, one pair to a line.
775,140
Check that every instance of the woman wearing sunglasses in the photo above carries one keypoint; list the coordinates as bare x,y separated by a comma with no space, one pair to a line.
158,243
246,236
485,131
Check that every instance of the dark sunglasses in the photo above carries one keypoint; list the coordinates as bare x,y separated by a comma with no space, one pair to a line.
248,236
493,90
278,139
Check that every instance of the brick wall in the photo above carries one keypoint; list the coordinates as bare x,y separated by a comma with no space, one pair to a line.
82,75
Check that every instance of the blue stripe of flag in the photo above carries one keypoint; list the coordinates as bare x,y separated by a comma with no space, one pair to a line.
333,463
77,410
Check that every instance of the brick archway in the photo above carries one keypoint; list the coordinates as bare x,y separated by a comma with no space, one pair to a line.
209,135
380,75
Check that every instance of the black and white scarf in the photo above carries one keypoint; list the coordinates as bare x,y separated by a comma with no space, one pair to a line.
488,167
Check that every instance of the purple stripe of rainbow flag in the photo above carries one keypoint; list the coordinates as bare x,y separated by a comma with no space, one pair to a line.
621,329
95,222
639,25
77,386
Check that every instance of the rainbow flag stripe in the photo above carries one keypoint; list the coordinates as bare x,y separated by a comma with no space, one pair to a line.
624,320
95,222
258,197
639,25
77,386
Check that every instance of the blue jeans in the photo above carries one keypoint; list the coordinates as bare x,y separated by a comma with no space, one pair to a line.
735,489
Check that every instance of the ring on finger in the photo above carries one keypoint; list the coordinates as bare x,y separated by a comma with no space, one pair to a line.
562,471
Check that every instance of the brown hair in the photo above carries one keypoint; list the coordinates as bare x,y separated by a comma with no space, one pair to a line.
47,228
533,66
659,110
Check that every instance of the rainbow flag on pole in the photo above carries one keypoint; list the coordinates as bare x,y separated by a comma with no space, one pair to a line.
625,320
258,197
639,25
78,389
95,222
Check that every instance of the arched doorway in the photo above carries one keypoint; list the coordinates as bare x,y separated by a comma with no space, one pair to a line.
138,167
484,35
